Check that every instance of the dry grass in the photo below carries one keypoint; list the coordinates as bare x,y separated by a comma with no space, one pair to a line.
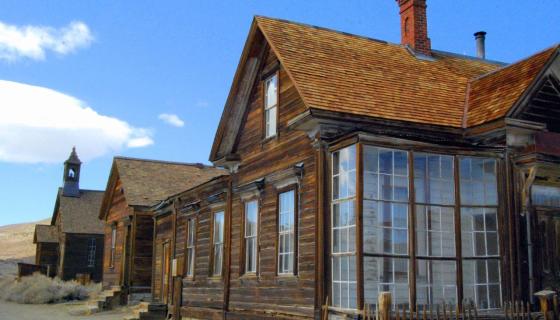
38,289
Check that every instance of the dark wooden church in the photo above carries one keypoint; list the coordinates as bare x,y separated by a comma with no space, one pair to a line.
73,243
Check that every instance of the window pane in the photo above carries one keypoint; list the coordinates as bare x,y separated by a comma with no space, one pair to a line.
434,179
479,235
436,282
385,227
478,181
547,196
271,92
482,282
435,229
386,274
286,231
344,282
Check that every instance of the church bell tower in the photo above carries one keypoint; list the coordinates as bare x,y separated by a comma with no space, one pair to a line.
71,177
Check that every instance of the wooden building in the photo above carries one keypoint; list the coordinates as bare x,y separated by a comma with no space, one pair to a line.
45,239
359,166
133,188
74,240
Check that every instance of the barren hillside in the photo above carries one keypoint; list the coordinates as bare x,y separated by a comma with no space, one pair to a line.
17,241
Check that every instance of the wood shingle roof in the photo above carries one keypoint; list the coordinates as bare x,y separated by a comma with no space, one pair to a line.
79,214
340,72
45,233
146,182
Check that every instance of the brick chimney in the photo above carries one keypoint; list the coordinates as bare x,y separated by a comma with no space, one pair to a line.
414,25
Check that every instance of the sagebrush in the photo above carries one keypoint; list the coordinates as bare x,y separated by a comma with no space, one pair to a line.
38,289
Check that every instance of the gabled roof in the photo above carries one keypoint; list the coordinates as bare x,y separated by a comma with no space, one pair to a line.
339,72
147,182
45,233
491,96
79,214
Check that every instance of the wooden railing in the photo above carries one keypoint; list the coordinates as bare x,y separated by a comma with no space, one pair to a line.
511,310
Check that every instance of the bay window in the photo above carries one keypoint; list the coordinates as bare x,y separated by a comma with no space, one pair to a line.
413,204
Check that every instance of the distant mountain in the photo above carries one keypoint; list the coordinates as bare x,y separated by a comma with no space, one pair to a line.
17,241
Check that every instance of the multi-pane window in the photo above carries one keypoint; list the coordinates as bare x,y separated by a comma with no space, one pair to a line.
344,228
251,233
479,231
218,243
385,223
270,105
286,232
190,246
434,190
436,214
91,252
113,245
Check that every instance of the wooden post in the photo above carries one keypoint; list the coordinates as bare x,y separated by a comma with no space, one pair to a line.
384,305
543,302
555,307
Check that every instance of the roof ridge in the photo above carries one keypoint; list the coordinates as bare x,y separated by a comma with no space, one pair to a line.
192,164
329,30
467,57
555,46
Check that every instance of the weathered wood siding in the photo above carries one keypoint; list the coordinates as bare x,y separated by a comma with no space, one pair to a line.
203,295
118,211
46,254
76,256
266,295
141,275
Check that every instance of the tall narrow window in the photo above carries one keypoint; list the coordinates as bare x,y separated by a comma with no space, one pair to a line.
191,232
385,224
270,105
286,232
113,245
343,236
434,190
91,252
251,232
218,243
479,226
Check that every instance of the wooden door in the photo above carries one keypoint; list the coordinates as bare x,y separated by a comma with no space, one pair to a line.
165,271
548,248
126,254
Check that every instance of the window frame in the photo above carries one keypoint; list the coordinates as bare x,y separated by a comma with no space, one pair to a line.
113,246
92,251
193,247
265,108
292,188
212,271
356,208
412,150
243,256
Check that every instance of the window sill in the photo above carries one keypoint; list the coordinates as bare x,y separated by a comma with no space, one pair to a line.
271,138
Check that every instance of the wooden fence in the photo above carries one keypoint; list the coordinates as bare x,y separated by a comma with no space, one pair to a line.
511,310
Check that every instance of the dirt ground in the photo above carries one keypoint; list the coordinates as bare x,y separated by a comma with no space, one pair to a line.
60,311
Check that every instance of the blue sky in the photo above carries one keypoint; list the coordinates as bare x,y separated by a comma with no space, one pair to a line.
130,62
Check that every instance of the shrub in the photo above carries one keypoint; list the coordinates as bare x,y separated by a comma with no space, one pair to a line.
37,289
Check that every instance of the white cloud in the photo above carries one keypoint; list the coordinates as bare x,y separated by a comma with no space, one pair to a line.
171,119
32,42
40,125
